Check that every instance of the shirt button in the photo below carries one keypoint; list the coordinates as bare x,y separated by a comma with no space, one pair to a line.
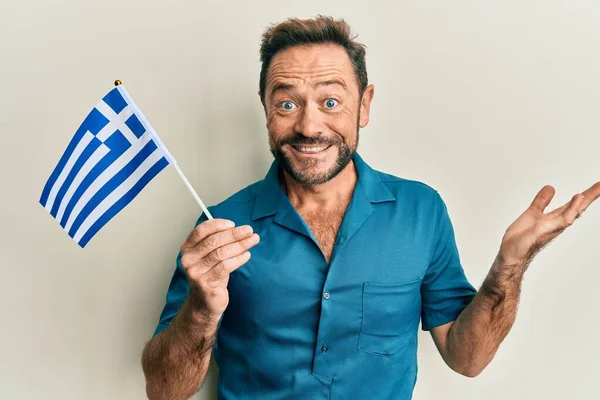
324,349
326,296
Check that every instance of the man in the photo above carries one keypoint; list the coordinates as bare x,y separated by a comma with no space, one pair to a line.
350,259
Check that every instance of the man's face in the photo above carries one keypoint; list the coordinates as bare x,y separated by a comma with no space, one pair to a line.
314,111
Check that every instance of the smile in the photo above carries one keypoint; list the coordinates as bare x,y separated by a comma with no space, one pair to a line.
310,149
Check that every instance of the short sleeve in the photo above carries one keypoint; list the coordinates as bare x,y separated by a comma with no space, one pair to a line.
445,290
176,294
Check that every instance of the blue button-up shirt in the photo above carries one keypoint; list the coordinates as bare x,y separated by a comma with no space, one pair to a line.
299,328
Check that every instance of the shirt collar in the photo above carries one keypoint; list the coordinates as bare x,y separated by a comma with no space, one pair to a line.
270,194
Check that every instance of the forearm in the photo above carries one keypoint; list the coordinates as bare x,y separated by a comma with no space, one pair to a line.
477,333
176,361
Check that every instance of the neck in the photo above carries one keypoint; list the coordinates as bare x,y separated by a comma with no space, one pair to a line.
326,196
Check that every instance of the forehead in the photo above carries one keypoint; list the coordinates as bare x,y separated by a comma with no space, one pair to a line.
307,62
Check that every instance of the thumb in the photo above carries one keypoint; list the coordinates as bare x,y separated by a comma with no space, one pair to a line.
543,198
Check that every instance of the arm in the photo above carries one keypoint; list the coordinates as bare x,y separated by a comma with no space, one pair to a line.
469,343
176,360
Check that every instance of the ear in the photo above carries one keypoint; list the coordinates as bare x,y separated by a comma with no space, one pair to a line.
365,106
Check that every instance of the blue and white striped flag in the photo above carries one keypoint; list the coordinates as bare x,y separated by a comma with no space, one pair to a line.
112,157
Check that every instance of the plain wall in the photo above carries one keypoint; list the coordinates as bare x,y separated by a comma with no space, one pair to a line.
486,101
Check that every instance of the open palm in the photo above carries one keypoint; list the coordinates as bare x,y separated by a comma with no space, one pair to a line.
534,229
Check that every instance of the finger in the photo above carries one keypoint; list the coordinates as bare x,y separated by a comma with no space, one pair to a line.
216,275
566,218
590,195
220,239
205,229
228,251
573,210
559,210
543,198
206,254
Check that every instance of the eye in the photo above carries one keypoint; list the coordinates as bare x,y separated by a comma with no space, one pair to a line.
287,105
330,103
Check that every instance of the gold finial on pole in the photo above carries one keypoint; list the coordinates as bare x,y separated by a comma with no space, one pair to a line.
117,82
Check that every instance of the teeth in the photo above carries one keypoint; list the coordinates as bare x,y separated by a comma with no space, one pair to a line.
311,149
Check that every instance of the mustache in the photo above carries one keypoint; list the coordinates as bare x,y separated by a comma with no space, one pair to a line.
303,140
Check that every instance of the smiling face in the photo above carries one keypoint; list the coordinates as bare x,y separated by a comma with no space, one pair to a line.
314,111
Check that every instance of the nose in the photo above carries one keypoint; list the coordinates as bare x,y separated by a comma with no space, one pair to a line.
310,121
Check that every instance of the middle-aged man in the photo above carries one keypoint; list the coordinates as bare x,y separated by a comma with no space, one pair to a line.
350,259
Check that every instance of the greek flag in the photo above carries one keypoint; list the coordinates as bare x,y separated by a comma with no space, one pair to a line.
112,157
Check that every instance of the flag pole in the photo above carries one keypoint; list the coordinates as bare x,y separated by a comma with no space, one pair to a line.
168,155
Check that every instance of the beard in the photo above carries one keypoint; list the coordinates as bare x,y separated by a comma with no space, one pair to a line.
304,173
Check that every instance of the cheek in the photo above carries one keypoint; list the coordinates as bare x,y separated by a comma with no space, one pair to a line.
344,123
279,126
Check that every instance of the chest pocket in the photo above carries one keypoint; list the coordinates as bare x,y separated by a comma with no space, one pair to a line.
390,316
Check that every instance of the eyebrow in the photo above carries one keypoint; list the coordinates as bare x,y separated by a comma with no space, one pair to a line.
280,86
333,82
287,86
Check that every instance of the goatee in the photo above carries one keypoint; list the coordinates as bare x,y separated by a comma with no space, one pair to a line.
302,173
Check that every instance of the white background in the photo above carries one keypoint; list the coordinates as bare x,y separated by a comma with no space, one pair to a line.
486,101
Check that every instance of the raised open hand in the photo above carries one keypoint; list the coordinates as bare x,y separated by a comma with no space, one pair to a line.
534,229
